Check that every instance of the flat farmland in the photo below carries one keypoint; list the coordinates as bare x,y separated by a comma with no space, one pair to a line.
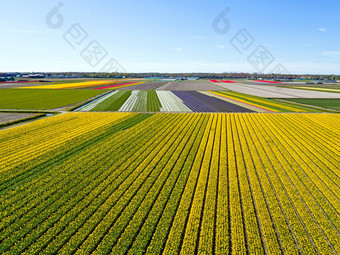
335,87
261,82
42,82
260,104
207,183
13,117
44,99
190,101
11,85
326,103
190,85
323,88
127,101
90,84
145,86
199,102
272,91
160,101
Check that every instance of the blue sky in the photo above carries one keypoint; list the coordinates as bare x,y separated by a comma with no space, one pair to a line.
172,36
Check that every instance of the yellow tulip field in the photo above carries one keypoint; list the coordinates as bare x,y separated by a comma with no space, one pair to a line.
171,183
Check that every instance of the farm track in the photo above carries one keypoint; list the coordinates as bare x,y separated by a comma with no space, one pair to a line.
198,183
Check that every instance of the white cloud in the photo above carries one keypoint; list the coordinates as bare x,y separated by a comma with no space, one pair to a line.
322,29
179,49
220,46
331,53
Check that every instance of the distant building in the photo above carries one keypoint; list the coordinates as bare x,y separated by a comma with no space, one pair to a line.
36,76
2,79
330,81
284,80
168,79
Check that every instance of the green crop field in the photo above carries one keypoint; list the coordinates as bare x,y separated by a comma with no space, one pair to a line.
325,103
330,86
153,102
165,183
144,101
147,101
115,102
36,99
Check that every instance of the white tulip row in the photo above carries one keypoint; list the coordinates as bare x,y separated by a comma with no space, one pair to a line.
130,102
93,104
171,103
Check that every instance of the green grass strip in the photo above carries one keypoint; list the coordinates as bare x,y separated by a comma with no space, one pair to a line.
154,104
326,103
42,99
141,103
21,120
114,102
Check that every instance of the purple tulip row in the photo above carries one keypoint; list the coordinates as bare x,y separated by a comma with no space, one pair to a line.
199,102
192,103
